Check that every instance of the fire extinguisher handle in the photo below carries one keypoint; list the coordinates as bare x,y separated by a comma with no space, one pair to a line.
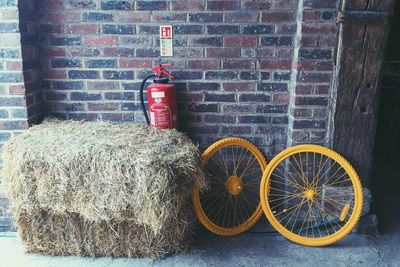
169,74
146,116
160,69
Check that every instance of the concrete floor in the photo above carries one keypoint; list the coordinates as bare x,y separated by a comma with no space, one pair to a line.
251,249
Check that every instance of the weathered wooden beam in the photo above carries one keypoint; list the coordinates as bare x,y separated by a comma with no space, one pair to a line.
363,17
360,54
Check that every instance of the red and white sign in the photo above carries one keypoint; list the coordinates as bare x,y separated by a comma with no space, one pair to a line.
166,46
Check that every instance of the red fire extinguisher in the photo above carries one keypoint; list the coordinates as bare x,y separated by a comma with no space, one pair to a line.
161,99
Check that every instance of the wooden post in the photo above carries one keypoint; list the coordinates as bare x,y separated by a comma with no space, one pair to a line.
362,41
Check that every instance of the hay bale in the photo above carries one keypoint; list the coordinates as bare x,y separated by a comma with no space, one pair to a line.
93,188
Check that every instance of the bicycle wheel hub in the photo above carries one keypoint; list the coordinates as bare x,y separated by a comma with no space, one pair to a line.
310,194
234,184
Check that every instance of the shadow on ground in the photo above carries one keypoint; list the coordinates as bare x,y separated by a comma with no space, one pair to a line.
250,249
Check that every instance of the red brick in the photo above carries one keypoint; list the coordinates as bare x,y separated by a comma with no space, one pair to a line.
239,86
311,15
320,4
52,52
84,52
100,40
285,4
177,63
55,74
14,65
304,89
169,17
259,5
103,106
309,41
17,89
135,63
300,136
322,89
264,52
304,65
119,52
280,98
241,16
236,129
64,17
223,52
286,28
118,117
275,64
188,52
319,28
132,17
190,97
278,17
204,64
314,77
325,65
328,41
240,41
284,52
302,112
222,5
187,5
82,29
239,64
102,85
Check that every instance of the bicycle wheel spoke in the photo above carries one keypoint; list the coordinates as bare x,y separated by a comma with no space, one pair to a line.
297,211
295,220
223,169
308,194
286,201
279,190
286,210
293,181
240,159
249,167
304,221
282,197
225,160
303,177
327,171
295,169
335,181
276,182
326,212
320,169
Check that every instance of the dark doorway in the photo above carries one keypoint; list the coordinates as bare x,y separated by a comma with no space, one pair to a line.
385,182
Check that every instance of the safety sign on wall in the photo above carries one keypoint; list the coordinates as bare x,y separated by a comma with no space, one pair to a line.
166,47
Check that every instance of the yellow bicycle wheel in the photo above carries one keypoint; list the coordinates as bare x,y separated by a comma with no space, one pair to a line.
231,204
311,195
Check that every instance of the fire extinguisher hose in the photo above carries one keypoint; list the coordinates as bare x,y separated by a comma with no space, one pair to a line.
142,99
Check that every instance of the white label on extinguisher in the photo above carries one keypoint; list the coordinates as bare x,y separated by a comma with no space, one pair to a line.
166,47
157,94
152,118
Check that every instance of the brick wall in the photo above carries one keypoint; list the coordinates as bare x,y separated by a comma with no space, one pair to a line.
312,98
30,42
251,68
235,63
13,112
